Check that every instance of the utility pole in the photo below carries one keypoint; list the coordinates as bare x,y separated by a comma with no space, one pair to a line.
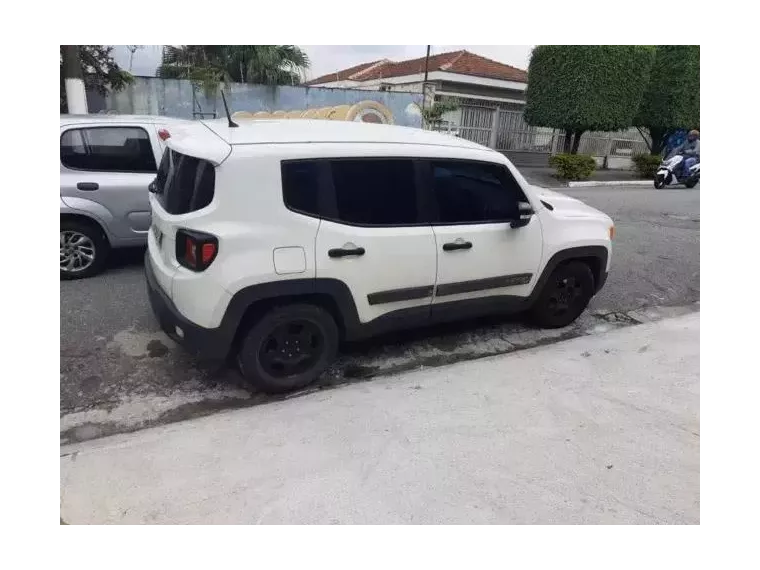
424,81
76,97
427,59
132,50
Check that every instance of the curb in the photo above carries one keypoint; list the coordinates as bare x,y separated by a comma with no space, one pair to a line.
592,183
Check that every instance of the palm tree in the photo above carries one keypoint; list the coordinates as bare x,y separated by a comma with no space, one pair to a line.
210,65
269,65
191,62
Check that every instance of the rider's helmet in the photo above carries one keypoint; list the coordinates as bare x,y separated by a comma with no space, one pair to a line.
693,134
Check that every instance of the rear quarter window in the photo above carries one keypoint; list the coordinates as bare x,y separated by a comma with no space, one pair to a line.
300,186
108,149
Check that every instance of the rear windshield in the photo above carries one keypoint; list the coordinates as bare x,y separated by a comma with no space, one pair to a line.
184,183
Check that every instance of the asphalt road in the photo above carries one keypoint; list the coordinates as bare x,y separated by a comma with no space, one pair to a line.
119,372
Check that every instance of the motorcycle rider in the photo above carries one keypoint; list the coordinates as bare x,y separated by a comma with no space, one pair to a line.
689,149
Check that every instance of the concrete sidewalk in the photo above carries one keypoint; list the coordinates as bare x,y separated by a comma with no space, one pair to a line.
545,176
599,429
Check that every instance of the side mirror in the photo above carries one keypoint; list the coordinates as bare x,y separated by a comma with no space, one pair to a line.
526,213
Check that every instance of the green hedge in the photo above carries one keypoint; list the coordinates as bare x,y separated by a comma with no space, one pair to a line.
646,164
573,166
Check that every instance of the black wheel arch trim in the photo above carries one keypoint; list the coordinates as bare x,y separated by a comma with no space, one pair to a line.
348,316
247,297
599,252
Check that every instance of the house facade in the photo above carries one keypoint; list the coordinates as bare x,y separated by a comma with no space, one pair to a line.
490,96
490,99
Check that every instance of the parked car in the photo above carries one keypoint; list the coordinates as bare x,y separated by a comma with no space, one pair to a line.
275,240
107,162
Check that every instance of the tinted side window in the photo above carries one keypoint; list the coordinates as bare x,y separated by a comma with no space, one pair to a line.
472,192
73,150
108,149
184,183
300,185
375,192
164,170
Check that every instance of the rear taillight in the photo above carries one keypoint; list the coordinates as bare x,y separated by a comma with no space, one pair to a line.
196,250
163,134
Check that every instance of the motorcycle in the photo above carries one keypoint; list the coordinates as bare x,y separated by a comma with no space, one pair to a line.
670,170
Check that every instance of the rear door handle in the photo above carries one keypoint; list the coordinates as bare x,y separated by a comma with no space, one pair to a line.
345,252
87,186
454,245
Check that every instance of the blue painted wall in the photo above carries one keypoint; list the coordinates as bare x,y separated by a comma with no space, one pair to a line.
174,98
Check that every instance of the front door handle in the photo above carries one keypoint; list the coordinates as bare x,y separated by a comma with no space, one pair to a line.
345,251
459,244
87,186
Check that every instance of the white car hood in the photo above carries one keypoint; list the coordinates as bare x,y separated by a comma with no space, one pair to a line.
567,206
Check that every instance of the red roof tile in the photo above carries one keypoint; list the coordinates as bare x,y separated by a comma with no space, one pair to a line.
463,62
343,74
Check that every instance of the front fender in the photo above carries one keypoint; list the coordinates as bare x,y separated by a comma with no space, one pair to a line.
600,251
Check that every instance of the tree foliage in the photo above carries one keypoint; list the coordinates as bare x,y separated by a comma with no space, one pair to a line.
211,65
671,101
586,88
433,115
100,72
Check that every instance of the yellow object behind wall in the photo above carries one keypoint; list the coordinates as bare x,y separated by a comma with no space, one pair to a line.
364,112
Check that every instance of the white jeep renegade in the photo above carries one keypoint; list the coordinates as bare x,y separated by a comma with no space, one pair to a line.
273,241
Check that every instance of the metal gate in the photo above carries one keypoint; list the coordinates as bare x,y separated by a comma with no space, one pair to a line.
476,124
514,135
501,126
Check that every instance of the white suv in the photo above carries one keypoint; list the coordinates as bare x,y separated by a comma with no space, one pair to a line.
273,241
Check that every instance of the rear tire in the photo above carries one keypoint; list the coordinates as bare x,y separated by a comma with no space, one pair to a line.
564,297
288,348
84,249
691,183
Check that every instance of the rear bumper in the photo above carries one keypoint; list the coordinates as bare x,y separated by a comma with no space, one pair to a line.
206,344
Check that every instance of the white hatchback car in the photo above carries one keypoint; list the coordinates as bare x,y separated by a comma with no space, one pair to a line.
273,241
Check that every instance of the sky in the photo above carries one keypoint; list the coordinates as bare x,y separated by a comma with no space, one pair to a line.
327,59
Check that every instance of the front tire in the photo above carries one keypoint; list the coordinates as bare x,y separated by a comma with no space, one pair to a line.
659,183
84,250
288,348
564,297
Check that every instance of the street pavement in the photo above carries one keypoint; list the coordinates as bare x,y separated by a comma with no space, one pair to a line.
120,373
594,430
